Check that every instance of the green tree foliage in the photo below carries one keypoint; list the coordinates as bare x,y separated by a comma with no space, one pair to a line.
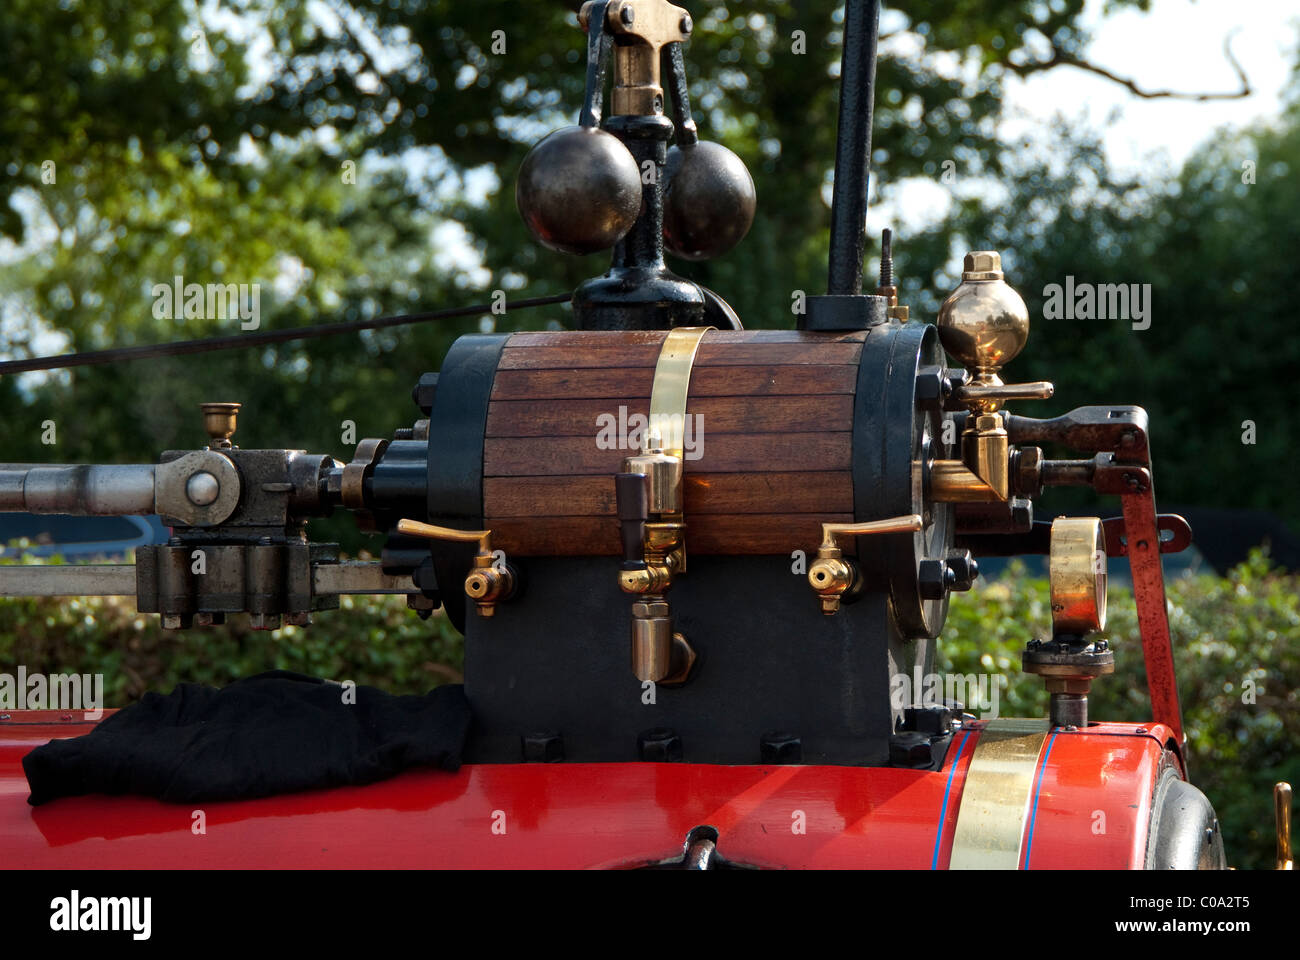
214,148
1217,253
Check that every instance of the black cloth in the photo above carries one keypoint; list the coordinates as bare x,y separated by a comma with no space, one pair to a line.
272,733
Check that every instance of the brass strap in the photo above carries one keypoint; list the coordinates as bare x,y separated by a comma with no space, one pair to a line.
666,431
995,800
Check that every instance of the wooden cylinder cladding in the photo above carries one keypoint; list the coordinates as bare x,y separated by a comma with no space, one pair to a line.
772,456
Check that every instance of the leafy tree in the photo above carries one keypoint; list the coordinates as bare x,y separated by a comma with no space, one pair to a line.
214,147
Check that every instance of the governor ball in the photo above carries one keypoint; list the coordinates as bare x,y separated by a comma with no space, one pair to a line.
579,190
709,200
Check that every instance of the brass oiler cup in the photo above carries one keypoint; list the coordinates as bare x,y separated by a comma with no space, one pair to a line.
219,421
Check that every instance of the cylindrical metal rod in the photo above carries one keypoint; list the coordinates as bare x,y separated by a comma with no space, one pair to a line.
84,490
1068,710
853,146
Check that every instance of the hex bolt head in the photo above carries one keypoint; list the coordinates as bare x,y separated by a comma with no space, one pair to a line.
933,388
660,745
424,392
935,579
780,748
964,569
627,15
202,488
687,24
544,747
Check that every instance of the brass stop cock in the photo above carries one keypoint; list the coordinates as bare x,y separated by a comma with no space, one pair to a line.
983,324
490,581
835,579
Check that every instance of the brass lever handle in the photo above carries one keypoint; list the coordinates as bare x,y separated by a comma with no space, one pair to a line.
830,575
489,582
971,393
414,528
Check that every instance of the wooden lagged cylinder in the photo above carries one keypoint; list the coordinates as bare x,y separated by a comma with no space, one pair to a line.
772,418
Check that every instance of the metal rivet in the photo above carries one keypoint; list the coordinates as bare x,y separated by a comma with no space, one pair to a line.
202,488
627,15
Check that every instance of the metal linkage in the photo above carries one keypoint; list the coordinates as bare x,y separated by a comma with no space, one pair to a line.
238,521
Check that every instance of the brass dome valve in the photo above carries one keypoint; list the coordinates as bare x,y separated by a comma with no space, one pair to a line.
491,580
835,579
983,324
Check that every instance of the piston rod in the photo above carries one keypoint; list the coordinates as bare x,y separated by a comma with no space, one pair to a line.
85,490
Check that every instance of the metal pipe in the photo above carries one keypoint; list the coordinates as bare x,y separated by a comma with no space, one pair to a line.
83,490
853,146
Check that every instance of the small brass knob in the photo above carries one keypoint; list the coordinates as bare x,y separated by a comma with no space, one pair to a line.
219,421
984,323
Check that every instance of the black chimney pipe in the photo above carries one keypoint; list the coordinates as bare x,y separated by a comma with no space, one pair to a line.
853,146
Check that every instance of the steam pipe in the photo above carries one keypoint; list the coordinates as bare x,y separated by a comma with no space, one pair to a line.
853,146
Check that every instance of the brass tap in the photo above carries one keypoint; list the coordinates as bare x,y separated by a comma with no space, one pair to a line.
835,579
489,582
654,553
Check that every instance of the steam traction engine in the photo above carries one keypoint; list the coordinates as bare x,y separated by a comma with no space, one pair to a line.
689,560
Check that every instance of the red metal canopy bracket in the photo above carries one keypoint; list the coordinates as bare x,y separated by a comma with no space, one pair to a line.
1143,540
1119,434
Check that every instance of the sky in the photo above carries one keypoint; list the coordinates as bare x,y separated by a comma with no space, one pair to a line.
1177,45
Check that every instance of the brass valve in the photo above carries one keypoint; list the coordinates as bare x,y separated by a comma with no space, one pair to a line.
641,28
983,324
654,553
834,578
490,581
